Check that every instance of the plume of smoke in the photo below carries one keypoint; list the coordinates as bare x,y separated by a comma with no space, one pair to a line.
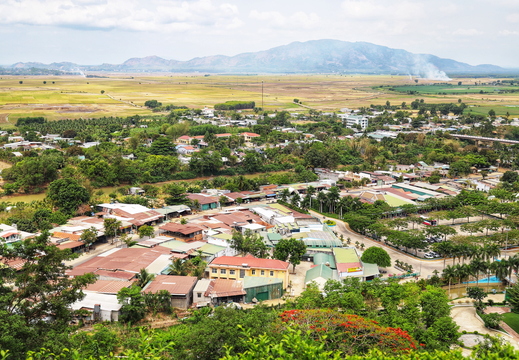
426,70
80,72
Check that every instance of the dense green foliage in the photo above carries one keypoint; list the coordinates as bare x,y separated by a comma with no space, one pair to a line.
235,105
35,312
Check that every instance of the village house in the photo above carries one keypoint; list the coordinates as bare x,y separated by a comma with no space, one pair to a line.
230,267
180,288
186,233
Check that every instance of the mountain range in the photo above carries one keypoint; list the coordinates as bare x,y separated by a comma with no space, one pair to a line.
317,56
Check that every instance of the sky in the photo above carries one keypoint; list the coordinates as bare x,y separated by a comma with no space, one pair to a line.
91,32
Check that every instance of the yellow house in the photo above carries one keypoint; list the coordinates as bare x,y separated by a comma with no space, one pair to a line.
232,267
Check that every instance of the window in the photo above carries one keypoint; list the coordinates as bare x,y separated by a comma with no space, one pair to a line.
231,272
272,273
214,271
253,272
242,273
262,272
223,271
199,295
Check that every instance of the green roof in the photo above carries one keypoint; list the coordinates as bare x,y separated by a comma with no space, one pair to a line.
274,236
255,281
369,269
211,249
223,236
321,258
318,271
345,255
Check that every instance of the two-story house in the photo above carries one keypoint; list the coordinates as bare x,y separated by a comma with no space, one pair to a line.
231,267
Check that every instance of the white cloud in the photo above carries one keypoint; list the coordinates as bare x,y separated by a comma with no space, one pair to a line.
374,10
508,33
134,15
513,18
467,32
300,19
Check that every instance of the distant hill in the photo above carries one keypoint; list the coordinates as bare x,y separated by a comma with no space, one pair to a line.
318,56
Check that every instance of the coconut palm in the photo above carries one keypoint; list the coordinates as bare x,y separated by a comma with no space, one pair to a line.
477,265
178,267
333,196
310,190
144,277
500,269
284,195
449,274
321,197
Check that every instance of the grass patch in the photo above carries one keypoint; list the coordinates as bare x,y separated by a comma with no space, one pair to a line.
512,320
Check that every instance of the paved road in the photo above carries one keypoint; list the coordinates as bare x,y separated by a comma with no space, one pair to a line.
424,267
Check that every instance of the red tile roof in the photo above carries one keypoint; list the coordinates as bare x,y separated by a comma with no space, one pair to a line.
250,134
251,262
175,285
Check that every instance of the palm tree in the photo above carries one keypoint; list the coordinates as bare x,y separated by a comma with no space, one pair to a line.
310,190
477,265
283,196
321,197
462,272
490,251
333,196
144,277
295,199
178,267
500,269
448,274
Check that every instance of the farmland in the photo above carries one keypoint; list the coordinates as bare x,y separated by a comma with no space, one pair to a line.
124,95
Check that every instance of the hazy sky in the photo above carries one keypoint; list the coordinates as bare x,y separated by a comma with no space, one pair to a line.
111,31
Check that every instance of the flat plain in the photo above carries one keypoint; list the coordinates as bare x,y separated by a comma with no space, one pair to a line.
68,97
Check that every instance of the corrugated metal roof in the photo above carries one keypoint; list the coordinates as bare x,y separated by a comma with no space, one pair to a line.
255,281
179,285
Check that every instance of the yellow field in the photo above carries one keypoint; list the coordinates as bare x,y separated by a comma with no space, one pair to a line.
75,96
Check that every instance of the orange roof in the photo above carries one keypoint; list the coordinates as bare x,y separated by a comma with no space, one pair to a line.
70,245
223,135
251,261
250,134
64,235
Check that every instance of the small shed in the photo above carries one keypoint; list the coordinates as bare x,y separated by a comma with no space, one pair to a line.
179,287
262,288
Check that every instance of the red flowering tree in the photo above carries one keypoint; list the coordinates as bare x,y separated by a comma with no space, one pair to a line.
350,334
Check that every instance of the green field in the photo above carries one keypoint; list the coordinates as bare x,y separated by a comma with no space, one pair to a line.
455,89
512,319
125,95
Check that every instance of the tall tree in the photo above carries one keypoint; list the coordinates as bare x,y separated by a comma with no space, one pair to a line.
111,226
37,310
67,194
376,255
291,250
